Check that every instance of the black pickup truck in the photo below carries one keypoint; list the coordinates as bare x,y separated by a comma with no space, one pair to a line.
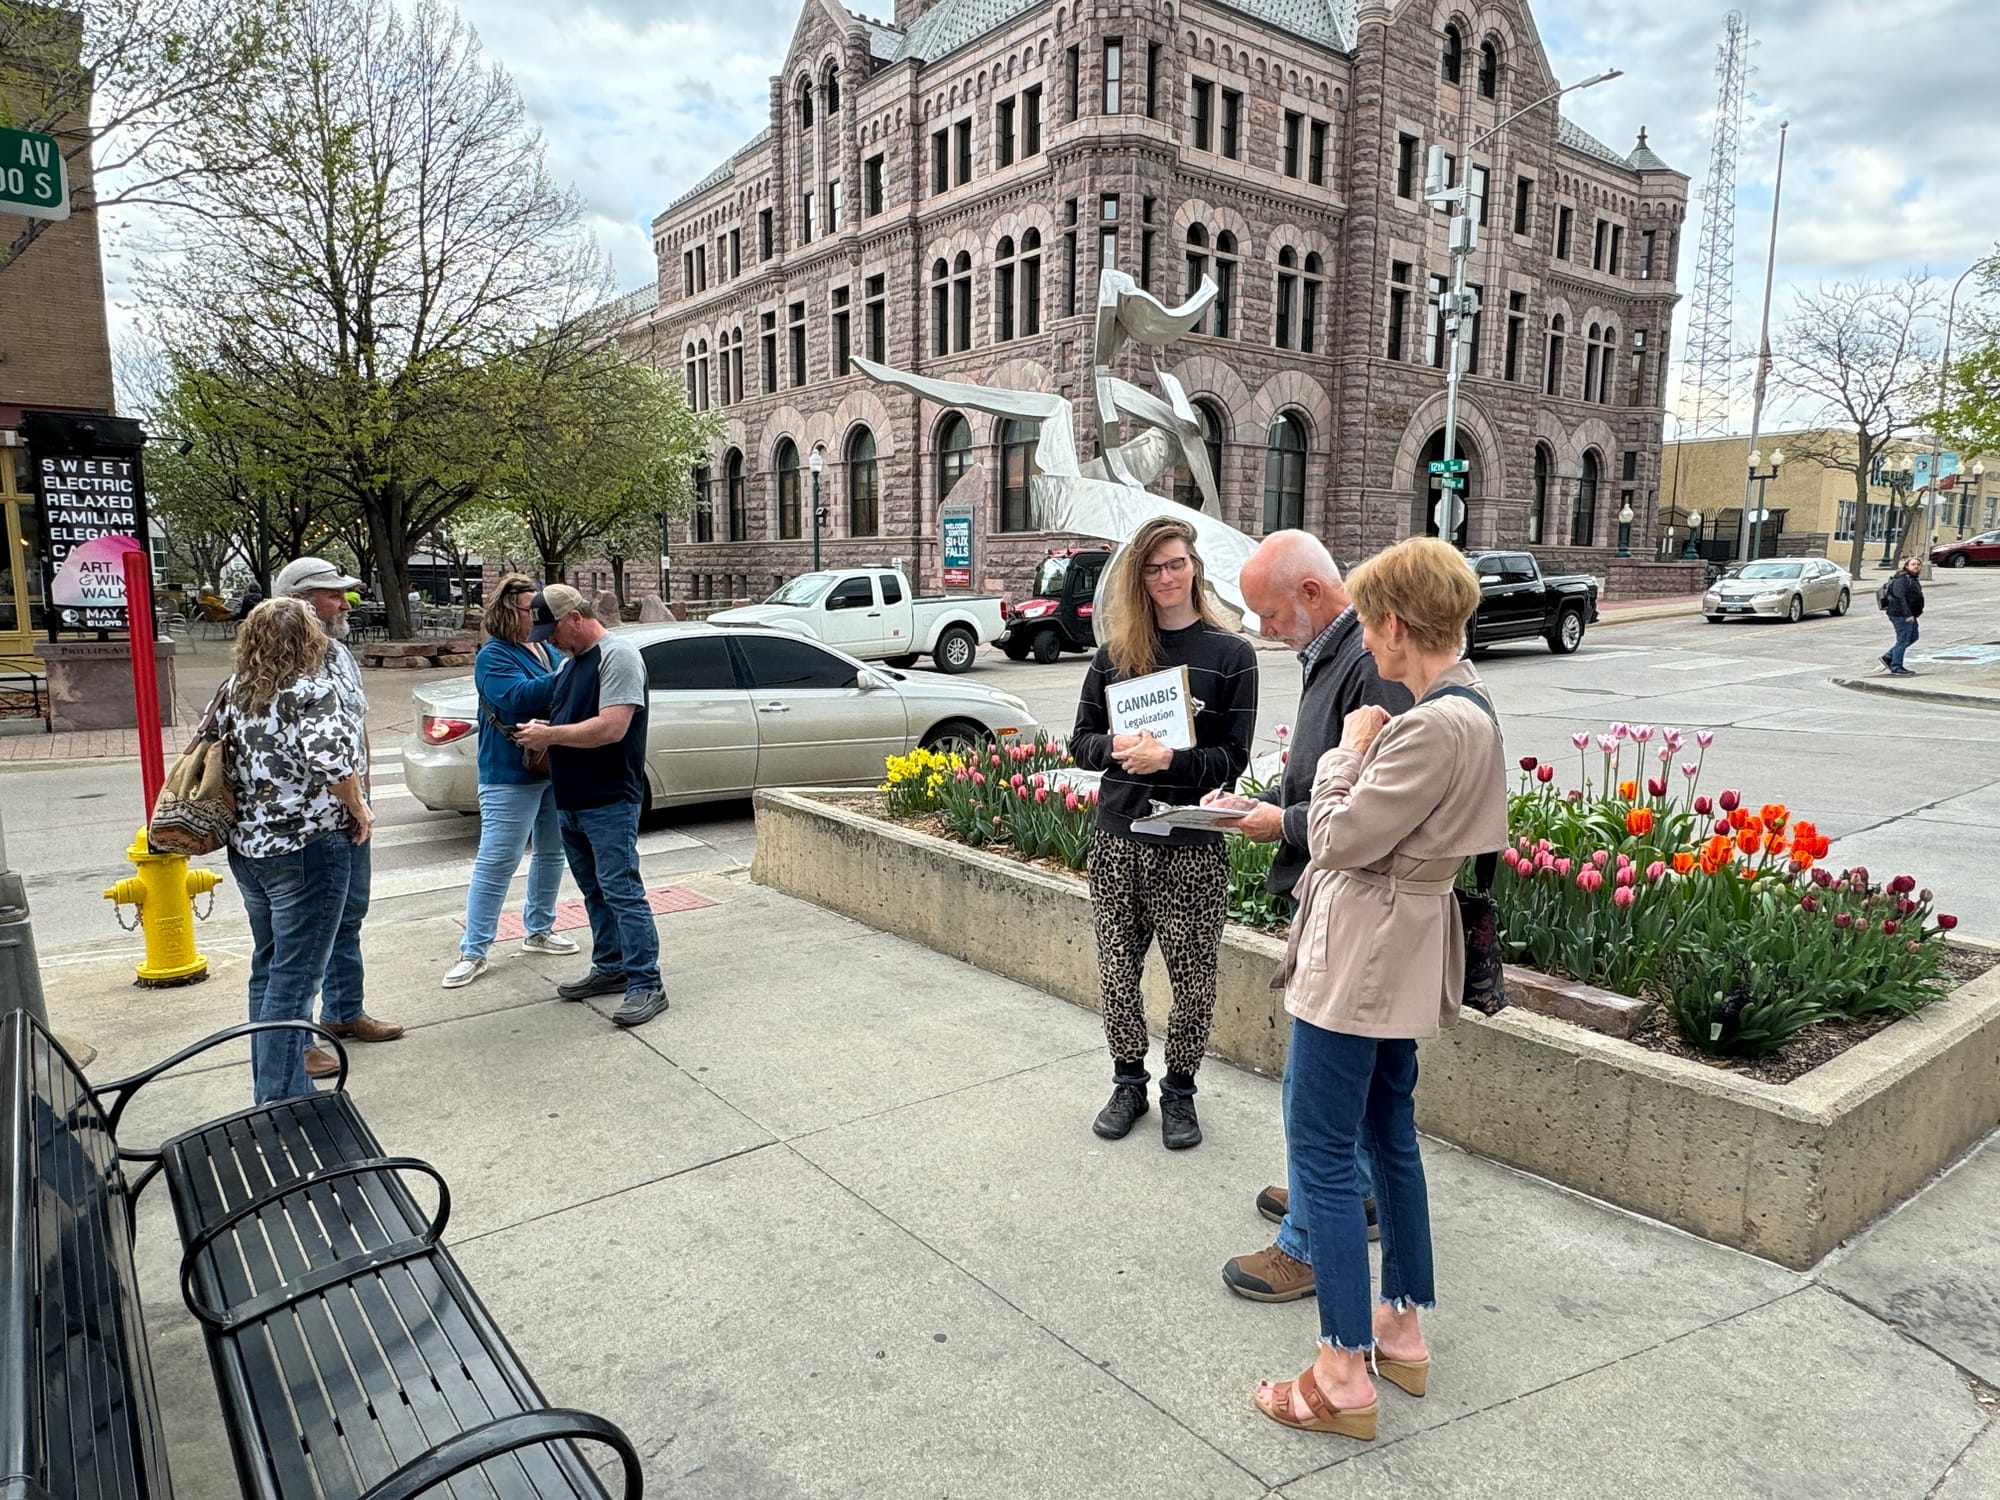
1516,602
1055,617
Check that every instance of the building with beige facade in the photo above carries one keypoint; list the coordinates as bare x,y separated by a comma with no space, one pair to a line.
940,193
1812,502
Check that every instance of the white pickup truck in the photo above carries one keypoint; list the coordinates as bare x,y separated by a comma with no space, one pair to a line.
872,613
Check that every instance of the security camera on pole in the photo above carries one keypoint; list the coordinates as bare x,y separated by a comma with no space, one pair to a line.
1458,304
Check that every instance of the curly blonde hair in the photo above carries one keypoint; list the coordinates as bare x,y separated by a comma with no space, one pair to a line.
278,642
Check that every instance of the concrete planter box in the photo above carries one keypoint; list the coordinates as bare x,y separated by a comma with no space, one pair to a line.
1785,1172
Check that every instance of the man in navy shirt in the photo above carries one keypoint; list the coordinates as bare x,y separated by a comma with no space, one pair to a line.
595,734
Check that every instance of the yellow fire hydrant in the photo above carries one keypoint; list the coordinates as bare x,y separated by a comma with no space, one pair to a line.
164,890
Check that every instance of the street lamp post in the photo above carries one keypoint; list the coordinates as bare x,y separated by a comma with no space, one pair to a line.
1693,552
1625,529
1458,304
816,462
1761,477
1968,505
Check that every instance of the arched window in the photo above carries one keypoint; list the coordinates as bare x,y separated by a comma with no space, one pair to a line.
704,505
1591,342
1552,375
1309,305
1285,475
1489,70
1031,283
1186,491
788,488
1538,508
1431,496
1225,284
688,378
1003,289
739,511
1583,523
701,375
1017,466
1197,266
954,453
864,494
830,90
1451,60
1605,362
1288,299
940,307
805,93
961,302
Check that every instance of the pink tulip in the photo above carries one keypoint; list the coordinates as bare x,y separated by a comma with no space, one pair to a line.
1704,737
1620,729
1069,801
1607,743
1590,881
1842,920
1656,872
1562,867
1600,858
1627,876
979,778
1623,897
1624,860
1576,794
1545,846
1041,794
1643,733
1284,731
1581,739
1673,739
1688,769
1666,754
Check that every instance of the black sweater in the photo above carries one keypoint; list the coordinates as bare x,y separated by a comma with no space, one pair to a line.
1222,680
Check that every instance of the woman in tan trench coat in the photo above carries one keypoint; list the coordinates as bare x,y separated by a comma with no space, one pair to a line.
1376,961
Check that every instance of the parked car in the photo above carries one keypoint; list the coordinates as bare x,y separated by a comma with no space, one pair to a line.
1056,617
1516,602
1967,551
1788,588
874,614
732,709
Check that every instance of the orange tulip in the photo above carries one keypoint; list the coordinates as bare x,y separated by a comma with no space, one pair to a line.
1802,857
1774,814
1748,842
1629,790
1683,862
1774,842
1738,819
1639,822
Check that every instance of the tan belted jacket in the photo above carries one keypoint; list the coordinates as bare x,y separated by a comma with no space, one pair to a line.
1377,949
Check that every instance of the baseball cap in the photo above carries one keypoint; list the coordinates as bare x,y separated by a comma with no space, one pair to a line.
309,573
554,604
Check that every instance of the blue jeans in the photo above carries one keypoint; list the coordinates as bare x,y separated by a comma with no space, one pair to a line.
340,1003
1351,1091
294,902
510,813
1906,637
1293,1238
603,848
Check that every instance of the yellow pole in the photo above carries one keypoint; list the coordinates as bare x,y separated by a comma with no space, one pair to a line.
163,890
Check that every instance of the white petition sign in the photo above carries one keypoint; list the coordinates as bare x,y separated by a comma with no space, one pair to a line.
1158,703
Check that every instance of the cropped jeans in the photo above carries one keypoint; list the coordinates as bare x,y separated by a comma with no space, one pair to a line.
294,902
512,816
1356,1091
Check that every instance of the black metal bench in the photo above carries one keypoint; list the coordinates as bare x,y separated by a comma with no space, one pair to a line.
351,1356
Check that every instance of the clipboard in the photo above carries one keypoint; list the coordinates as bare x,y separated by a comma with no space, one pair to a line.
1159,704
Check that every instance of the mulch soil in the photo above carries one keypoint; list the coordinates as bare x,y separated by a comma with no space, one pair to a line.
1804,1052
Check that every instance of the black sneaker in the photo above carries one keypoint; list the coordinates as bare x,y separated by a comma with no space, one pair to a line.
1901,672
596,982
1179,1129
640,1007
1884,659
1128,1101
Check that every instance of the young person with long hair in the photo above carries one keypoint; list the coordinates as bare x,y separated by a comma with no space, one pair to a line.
1172,886
517,802
294,762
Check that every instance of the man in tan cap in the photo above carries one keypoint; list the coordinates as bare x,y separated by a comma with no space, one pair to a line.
595,734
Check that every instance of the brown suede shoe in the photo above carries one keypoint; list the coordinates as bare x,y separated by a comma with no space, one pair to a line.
1268,1276
1274,1201
365,1028
321,1062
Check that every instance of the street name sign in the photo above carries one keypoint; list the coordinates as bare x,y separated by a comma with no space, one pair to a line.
1451,481
33,177
1449,465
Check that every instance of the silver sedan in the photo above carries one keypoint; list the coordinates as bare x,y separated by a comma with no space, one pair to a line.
734,709
1783,588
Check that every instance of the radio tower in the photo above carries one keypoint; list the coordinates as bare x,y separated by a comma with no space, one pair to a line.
1705,386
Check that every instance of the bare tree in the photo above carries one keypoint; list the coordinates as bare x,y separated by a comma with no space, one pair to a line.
397,277
122,85
1859,354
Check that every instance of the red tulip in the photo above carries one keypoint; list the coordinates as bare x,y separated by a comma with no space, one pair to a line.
1729,801
1808,903
1657,786
1891,926
1529,762
1902,884
1545,774
1703,807
1842,920
1946,921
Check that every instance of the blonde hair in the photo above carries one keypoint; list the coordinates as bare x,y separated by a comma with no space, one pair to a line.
501,620
1132,636
278,642
1424,582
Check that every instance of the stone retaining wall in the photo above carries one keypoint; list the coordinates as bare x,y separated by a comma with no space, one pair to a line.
1785,1172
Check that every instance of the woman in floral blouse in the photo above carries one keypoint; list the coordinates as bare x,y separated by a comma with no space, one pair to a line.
294,762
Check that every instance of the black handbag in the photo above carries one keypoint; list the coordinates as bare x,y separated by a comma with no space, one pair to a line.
1485,988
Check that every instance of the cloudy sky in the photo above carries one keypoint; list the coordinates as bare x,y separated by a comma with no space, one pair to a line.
1889,167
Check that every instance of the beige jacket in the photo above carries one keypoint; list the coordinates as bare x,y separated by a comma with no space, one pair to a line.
1377,948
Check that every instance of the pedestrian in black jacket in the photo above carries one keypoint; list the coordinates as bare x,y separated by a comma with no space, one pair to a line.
1903,600
1172,885
1294,587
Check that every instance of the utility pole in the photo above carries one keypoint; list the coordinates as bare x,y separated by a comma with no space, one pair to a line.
1747,539
1458,304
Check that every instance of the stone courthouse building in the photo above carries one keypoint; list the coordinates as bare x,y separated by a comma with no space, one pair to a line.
940,194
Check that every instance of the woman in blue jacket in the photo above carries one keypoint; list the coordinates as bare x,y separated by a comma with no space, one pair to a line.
517,806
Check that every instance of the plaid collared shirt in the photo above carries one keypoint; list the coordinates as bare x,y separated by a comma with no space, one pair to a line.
1310,656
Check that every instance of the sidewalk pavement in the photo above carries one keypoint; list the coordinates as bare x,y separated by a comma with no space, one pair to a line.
835,1225
1966,675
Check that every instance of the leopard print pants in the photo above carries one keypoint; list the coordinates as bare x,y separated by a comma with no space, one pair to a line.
1178,893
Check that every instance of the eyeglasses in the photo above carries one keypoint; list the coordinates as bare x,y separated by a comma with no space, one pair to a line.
1173,565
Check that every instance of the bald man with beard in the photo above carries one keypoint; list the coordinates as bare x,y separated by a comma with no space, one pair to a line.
1294,587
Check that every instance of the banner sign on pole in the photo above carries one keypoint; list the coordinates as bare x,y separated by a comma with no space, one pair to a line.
955,537
90,500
